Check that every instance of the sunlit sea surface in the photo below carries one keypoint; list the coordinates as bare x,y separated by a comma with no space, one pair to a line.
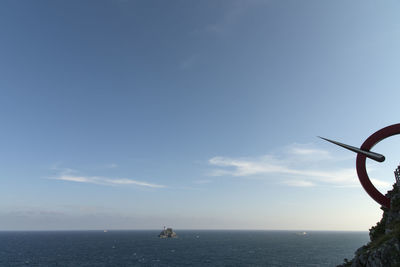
191,248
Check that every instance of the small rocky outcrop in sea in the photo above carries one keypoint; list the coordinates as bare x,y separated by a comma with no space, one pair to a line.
384,247
167,233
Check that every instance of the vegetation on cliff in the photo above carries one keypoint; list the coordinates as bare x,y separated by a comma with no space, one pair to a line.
384,247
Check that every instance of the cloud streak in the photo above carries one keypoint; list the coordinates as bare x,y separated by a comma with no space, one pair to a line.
232,13
111,166
105,181
298,165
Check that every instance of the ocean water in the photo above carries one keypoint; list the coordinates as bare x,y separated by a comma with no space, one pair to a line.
191,248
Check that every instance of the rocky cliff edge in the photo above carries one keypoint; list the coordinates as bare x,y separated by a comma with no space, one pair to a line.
384,247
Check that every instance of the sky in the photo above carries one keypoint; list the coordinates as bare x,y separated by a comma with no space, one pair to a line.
194,114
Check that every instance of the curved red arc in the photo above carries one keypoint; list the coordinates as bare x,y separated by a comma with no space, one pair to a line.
361,160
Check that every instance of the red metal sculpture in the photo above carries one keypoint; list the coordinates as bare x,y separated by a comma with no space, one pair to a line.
363,152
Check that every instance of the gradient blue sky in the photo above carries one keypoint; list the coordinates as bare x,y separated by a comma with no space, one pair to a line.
194,114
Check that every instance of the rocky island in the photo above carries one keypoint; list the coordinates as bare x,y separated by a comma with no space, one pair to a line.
167,233
384,247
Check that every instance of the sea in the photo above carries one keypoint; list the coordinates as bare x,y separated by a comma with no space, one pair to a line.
191,248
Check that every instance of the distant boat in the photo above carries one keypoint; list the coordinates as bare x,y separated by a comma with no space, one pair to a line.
167,233
301,233
105,231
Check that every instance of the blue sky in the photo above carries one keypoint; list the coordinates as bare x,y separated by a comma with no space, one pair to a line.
196,115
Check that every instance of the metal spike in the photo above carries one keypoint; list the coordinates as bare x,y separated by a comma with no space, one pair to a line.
369,154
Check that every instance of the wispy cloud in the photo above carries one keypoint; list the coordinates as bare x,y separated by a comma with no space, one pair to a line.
188,62
270,165
104,180
303,150
111,165
232,13
299,183
296,165
72,175
203,181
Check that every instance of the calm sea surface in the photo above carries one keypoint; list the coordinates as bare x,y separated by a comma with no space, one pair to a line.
192,248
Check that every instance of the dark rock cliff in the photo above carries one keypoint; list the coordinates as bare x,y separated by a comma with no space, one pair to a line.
384,247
